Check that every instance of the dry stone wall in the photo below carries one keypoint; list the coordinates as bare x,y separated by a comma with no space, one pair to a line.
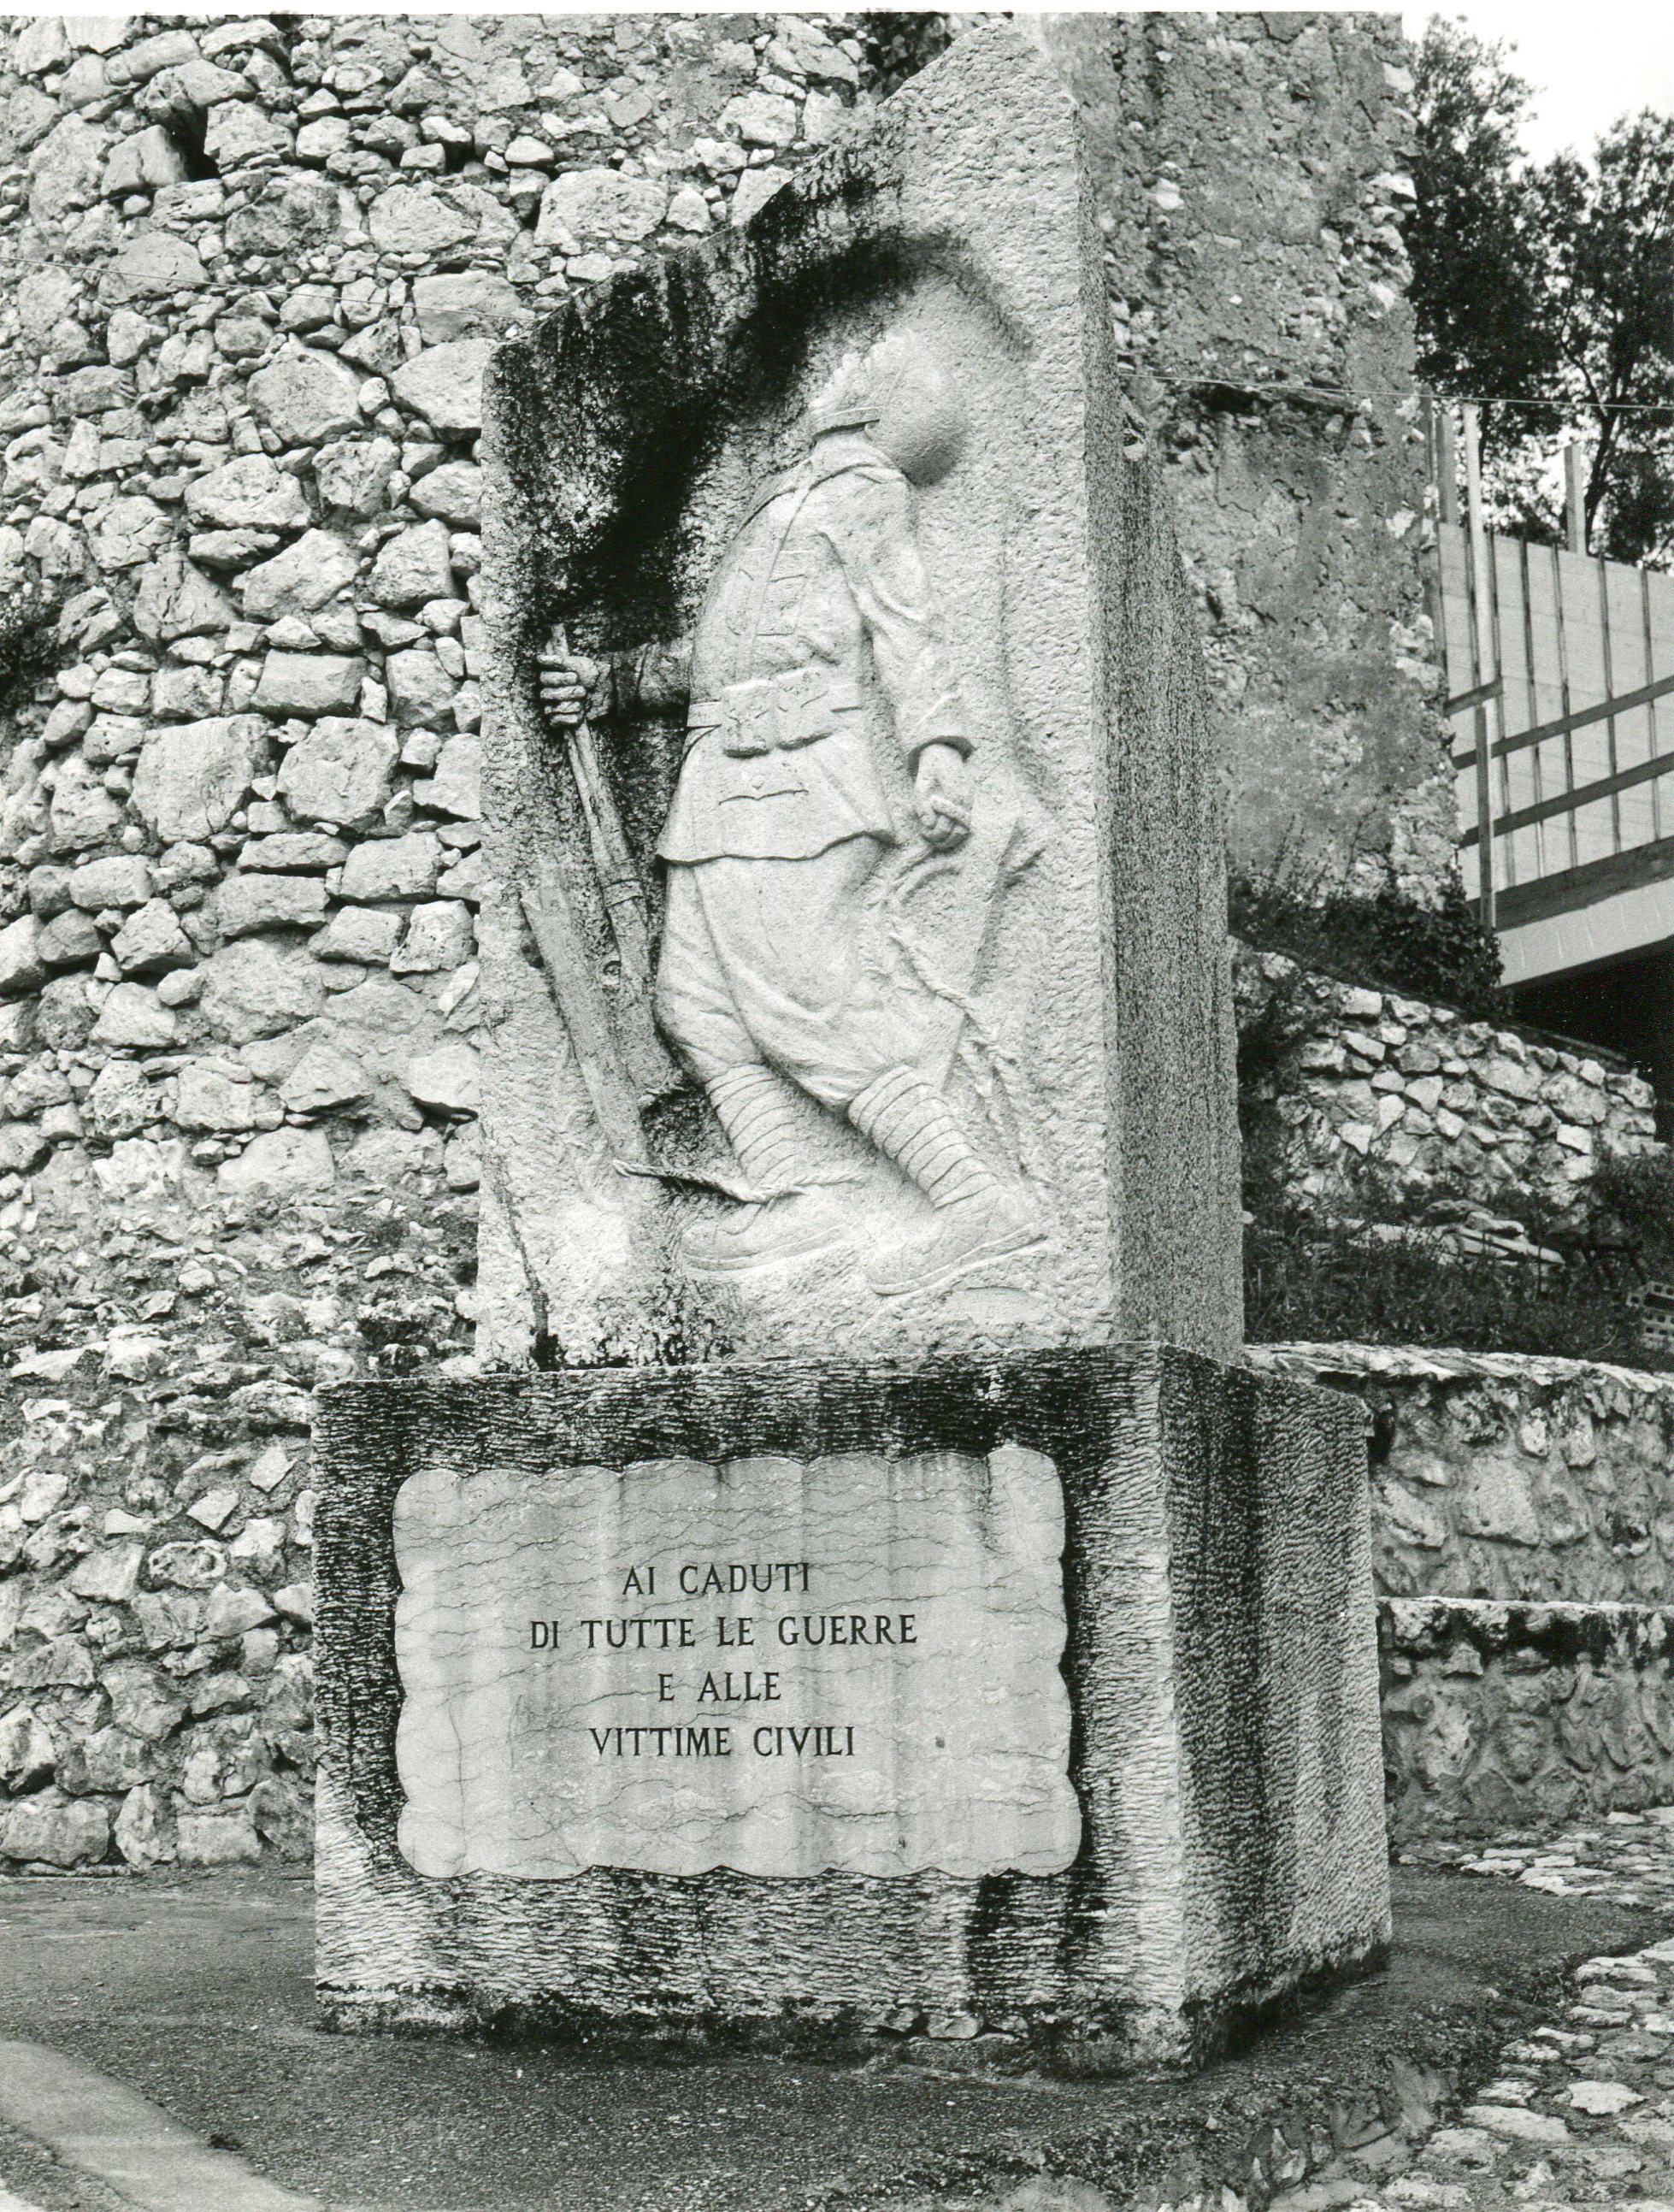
1434,1105
1500,1720
249,274
1522,1542
250,271
1501,1475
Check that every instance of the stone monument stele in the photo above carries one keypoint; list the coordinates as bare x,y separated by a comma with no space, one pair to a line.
862,1594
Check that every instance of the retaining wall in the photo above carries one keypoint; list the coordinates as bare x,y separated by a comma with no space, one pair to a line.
1522,1538
1500,1719
1433,1102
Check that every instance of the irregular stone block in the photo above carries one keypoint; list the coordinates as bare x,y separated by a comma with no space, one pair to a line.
186,695
359,933
455,787
151,267
393,868
56,1831
83,813
352,475
28,1754
247,903
145,1701
109,1761
422,692
109,1575
309,684
142,162
23,1146
151,940
238,134
127,532
211,1839
438,940
122,879
193,777
279,1163
300,579
209,1098
134,1017
340,772
121,1102
443,383
414,219
249,493
294,852
586,204
323,1079
447,1080
412,567
144,1833
307,397
22,967
453,491
71,940
475,303
255,988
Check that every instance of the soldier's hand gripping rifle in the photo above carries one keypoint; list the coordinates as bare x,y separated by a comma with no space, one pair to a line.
623,1061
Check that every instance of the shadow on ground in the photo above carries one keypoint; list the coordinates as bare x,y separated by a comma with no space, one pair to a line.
197,1993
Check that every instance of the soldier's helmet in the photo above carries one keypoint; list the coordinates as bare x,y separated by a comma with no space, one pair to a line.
899,392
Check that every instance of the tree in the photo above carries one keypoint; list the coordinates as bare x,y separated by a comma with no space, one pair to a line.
1547,291
1609,234
1476,262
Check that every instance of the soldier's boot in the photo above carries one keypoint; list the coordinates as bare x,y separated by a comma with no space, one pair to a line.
756,1109
977,1218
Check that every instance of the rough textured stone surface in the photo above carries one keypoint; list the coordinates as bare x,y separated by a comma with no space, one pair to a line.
299,581
1254,174
1499,1717
306,397
1501,1475
1438,1104
192,777
340,772
443,383
1219,1542
1083,680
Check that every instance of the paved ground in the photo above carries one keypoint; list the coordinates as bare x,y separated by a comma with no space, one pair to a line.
195,1995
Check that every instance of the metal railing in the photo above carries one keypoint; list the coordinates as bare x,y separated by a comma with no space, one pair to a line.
1557,663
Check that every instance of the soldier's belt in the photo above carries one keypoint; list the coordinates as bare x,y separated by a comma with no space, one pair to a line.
773,714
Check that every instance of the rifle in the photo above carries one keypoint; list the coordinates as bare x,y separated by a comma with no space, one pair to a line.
581,1003
649,1067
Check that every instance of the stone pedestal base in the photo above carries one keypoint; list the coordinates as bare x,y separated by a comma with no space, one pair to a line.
1113,1807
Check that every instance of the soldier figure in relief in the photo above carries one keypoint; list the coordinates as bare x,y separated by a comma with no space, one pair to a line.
818,638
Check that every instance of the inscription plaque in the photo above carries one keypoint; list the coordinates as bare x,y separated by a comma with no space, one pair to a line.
785,1666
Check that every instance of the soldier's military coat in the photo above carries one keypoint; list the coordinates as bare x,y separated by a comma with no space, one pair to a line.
822,588
818,642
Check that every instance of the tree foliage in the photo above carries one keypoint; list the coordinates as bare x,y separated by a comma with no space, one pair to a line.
28,613
1547,290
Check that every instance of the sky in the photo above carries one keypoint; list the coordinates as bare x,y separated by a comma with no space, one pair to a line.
1587,64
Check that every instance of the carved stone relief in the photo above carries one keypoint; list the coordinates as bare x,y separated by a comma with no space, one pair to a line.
836,855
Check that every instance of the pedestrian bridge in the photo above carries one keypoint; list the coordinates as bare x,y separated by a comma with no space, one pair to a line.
1561,694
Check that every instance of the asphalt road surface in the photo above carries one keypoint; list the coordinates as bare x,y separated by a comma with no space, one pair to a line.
195,1995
